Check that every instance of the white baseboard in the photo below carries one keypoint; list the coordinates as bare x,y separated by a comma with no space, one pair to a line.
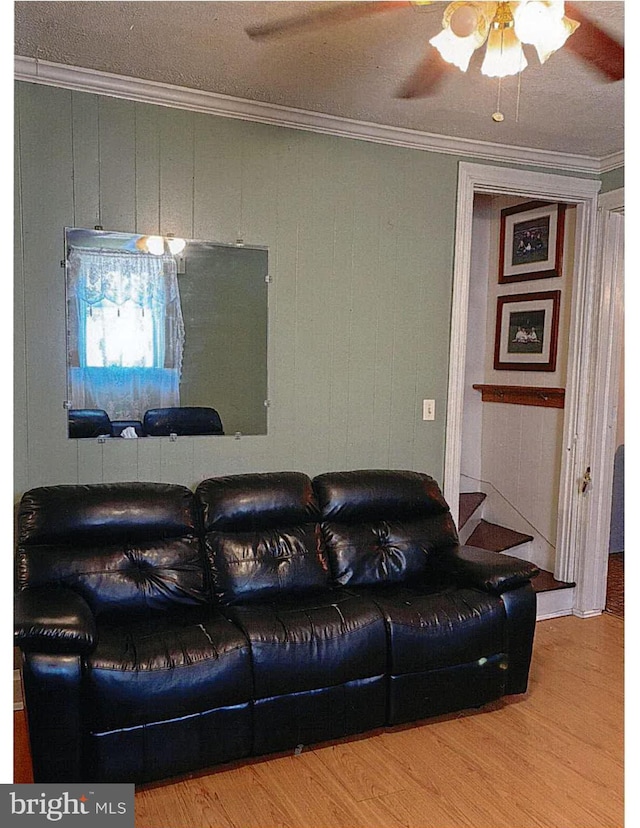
554,603
588,613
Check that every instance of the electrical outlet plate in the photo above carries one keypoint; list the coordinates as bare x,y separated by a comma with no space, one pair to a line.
428,409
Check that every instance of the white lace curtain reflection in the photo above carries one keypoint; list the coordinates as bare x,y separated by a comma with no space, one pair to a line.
126,332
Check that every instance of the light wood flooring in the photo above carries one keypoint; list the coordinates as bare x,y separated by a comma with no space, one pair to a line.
550,759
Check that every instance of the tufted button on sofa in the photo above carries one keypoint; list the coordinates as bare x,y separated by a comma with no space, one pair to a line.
165,630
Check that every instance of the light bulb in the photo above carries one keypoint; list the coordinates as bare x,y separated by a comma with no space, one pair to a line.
464,20
464,29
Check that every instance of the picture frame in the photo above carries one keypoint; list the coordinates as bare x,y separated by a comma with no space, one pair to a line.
531,241
527,331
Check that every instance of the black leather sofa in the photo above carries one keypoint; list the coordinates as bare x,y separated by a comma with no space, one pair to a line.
165,630
89,423
156,422
186,420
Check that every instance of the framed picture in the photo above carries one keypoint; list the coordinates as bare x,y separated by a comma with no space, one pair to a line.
531,241
527,331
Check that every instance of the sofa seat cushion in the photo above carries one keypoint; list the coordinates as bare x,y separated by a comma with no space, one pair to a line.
431,631
308,642
164,667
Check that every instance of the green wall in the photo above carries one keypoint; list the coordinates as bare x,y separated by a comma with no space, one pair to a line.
360,239
613,180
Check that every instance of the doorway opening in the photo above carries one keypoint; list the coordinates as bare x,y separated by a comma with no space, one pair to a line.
513,416
586,414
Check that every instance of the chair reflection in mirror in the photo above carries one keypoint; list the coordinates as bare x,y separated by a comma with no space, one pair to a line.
186,420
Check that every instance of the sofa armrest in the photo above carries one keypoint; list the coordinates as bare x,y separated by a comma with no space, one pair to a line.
486,570
53,620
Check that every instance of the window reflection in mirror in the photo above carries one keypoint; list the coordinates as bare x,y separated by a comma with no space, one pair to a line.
164,336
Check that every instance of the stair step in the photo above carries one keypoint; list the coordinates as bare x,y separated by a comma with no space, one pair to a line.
469,502
497,538
545,582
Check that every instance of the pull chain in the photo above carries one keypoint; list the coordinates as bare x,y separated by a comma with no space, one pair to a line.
497,116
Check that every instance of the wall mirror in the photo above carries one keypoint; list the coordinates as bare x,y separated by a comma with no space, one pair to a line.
165,336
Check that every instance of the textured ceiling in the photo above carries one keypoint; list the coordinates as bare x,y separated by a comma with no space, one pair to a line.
351,70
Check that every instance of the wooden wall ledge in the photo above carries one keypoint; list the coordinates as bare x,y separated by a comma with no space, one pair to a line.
522,395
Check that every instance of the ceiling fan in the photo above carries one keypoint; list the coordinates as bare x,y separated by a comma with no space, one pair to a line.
467,25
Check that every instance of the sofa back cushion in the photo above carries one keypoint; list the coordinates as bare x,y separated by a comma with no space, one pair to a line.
382,526
126,547
262,535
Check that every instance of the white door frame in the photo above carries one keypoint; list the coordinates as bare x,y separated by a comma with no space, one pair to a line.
591,592
582,406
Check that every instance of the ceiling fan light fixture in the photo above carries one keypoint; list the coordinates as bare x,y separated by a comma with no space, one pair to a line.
464,29
155,245
542,23
504,55
455,50
158,245
176,245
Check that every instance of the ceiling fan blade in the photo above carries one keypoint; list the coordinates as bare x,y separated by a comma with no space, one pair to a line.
426,78
329,15
595,46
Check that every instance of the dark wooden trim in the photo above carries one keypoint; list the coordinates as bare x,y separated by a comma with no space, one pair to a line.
522,395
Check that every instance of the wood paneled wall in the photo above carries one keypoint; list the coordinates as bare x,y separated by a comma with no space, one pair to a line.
361,249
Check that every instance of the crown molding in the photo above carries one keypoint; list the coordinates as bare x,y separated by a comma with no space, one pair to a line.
80,79
612,162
